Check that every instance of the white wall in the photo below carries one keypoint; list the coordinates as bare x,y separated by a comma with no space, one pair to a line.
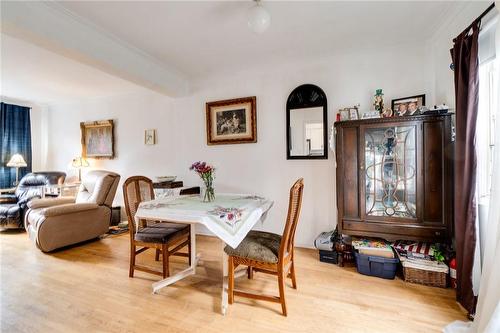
132,114
439,50
38,118
259,168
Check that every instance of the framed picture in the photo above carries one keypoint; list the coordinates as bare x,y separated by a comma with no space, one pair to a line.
232,121
349,114
98,139
353,114
407,106
344,114
150,137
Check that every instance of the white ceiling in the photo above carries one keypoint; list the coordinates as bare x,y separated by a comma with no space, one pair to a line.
33,74
202,38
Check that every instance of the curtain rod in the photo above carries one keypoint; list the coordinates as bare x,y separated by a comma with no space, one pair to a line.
479,18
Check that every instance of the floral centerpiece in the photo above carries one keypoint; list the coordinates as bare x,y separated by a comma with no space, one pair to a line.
207,174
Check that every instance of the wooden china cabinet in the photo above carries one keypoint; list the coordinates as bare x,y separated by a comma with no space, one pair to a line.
395,177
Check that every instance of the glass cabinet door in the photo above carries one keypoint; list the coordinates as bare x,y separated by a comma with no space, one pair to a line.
390,164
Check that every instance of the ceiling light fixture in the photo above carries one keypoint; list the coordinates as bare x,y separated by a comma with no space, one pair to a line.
259,18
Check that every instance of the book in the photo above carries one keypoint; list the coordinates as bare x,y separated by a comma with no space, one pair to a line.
373,247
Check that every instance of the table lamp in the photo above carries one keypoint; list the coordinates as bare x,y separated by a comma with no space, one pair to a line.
79,163
17,161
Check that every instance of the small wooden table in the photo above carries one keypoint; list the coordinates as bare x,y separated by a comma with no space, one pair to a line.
7,190
230,217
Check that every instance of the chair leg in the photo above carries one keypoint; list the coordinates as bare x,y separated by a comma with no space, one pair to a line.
281,283
231,280
165,256
132,261
157,255
189,246
292,275
250,272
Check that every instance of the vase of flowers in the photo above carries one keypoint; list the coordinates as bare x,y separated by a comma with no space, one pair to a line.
207,174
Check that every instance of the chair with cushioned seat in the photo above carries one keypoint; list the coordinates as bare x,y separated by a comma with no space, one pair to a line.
63,221
268,253
166,238
14,206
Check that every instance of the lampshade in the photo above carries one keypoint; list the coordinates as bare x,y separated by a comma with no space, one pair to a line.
17,161
259,18
80,162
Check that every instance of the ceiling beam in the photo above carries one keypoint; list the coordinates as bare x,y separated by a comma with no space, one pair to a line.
52,27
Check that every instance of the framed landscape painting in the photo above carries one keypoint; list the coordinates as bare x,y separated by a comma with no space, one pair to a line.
232,121
98,139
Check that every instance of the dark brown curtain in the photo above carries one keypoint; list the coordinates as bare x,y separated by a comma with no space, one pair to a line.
466,65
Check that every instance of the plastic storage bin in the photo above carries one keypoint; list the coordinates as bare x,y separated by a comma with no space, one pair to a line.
328,256
376,266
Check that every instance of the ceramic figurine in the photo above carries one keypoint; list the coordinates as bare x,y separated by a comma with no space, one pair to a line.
378,101
387,113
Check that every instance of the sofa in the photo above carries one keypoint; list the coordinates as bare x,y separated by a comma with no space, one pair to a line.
14,206
55,223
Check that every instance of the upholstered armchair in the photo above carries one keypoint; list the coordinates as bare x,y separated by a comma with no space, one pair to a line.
55,223
13,206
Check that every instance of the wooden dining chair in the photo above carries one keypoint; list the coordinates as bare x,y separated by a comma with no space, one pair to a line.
166,238
268,253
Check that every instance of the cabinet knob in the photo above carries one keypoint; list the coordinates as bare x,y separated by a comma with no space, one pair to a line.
361,167
438,233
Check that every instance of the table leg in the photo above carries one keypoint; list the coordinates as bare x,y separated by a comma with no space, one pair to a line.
182,274
224,303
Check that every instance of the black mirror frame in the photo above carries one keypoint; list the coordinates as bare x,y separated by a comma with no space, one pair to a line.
307,96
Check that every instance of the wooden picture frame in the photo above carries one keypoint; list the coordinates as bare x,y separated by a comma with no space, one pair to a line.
344,114
349,114
98,140
232,121
150,137
409,105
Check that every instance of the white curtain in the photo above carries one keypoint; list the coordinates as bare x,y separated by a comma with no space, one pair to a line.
487,317
488,308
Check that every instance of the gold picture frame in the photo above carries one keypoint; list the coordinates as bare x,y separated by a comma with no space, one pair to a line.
232,121
97,138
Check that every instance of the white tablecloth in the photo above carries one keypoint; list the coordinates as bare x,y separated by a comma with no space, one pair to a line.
230,217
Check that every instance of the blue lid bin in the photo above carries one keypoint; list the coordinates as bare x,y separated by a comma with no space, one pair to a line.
376,266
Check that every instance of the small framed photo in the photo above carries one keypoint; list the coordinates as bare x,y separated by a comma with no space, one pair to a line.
407,106
150,137
344,114
349,114
353,114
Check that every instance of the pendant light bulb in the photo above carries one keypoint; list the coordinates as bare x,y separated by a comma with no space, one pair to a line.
259,18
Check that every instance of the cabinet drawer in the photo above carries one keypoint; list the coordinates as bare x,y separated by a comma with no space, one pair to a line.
393,231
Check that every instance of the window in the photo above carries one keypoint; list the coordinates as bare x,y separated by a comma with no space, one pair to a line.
486,124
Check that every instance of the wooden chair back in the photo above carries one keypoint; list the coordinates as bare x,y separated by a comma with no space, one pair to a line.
136,189
294,206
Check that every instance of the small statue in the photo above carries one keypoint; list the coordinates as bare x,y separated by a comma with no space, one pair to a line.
378,101
387,113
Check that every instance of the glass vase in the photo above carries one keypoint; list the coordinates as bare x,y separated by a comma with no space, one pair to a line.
209,193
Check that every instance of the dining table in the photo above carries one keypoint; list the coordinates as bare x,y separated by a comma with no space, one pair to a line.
229,217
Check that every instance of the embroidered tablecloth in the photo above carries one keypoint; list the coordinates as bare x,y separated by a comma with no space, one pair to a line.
230,216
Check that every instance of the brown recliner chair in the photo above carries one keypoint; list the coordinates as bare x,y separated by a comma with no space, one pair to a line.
55,223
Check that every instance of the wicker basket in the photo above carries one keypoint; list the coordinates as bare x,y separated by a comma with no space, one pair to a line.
427,278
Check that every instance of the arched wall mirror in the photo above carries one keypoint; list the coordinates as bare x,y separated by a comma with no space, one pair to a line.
306,123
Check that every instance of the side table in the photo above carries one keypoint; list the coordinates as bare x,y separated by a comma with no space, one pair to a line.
7,190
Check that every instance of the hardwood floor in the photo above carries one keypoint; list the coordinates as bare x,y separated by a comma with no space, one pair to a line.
87,289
